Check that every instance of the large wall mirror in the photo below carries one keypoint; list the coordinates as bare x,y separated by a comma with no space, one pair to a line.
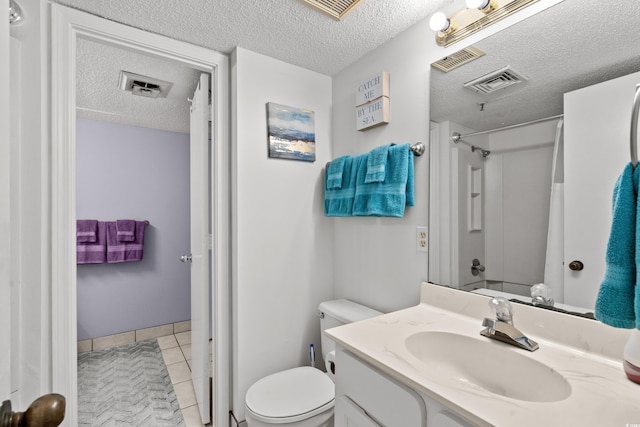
497,215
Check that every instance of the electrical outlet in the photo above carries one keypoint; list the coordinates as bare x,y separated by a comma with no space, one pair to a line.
422,239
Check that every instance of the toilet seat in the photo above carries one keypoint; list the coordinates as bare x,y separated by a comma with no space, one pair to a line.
292,395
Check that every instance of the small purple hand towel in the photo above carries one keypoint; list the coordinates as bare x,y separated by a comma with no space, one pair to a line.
124,251
125,229
86,230
93,252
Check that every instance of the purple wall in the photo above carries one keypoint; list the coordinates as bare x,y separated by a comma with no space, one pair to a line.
140,173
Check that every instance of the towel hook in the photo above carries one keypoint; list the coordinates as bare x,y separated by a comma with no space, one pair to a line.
634,127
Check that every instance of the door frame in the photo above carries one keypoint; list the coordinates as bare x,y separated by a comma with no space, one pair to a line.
66,26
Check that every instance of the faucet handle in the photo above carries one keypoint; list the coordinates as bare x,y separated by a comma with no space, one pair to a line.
502,309
541,295
490,324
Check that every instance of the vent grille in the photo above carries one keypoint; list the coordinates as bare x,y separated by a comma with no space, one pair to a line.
496,80
143,85
457,59
336,9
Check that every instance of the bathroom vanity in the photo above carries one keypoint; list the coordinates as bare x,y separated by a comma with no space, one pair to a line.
428,366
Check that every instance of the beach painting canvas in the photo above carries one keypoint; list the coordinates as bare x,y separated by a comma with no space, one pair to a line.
291,133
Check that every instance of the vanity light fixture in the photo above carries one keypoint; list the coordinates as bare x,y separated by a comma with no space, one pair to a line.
477,15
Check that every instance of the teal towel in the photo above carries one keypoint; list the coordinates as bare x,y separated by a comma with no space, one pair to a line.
390,197
335,171
615,301
339,201
376,163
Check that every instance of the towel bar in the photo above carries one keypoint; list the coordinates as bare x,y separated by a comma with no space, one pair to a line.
418,149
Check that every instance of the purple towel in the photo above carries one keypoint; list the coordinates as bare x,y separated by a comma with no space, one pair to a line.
93,252
126,230
124,251
86,230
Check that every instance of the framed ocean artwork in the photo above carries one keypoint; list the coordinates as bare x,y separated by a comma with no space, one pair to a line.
291,133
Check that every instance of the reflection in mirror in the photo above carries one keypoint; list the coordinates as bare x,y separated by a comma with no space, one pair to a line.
505,208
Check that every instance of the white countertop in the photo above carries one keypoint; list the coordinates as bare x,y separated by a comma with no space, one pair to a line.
585,352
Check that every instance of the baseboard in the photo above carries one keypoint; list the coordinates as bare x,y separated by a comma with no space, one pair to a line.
108,341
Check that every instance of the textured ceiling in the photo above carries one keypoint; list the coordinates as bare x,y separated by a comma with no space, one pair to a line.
569,46
99,97
283,29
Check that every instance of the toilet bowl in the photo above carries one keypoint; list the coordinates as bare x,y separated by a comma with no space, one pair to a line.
298,397
303,396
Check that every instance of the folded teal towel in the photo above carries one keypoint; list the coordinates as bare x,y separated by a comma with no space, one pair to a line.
615,301
376,163
339,201
335,171
390,197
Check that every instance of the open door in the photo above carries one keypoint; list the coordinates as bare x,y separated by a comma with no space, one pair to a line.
199,257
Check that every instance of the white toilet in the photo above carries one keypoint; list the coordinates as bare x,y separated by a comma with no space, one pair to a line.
304,396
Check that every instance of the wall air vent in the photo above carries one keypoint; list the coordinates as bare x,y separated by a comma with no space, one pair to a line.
337,9
457,59
496,80
143,85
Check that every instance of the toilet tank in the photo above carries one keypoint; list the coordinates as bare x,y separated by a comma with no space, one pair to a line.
340,312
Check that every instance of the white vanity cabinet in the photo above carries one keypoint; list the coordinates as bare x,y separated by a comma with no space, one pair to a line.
366,397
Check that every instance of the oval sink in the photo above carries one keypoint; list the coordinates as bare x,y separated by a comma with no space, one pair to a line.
488,365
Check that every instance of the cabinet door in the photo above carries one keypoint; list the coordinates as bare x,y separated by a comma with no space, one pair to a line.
384,399
348,414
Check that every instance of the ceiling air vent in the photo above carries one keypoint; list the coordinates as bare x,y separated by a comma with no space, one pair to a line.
457,59
336,9
496,80
143,85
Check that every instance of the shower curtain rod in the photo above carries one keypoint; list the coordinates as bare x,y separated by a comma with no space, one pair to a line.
455,137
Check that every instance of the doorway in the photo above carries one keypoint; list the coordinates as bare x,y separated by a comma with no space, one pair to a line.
67,26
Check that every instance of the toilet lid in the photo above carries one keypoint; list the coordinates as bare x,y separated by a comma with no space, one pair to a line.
291,393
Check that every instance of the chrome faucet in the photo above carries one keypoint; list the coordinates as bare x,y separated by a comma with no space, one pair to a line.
501,328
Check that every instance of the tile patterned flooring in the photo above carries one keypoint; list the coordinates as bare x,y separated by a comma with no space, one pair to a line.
176,351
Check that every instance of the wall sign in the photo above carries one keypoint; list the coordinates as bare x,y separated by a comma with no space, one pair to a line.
372,102
373,114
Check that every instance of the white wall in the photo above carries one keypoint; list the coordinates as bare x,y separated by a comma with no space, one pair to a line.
281,241
375,259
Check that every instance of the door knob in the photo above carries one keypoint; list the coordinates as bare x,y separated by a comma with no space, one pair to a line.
185,258
576,265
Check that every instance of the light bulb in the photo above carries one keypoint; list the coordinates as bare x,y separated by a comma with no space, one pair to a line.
439,22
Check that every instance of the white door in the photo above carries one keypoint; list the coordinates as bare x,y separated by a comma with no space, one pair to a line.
597,129
199,164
